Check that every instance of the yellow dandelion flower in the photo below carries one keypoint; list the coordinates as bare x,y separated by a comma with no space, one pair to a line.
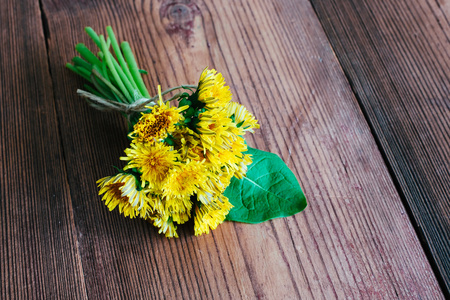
241,169
183,180
215,128
158,123
181,218
238,145
209,216
228,155
229,159
158,205
121,190
197,153
184,139
215,184
155,125
153,160
166,226
242,117
212,89
206,196
177,205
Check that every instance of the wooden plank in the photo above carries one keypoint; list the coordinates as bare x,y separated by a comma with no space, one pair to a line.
397,57
353,241
39,257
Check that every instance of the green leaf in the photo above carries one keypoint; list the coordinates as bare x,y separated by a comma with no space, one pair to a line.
269,191
184,102
189,113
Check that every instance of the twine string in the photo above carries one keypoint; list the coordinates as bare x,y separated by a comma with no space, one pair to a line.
140,105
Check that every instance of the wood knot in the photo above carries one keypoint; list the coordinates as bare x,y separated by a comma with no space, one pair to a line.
178,16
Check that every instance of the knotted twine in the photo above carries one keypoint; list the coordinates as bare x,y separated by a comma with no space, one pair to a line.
110,105
139,105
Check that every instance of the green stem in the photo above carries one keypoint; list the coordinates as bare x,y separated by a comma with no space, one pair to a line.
98,85
110,86
83,71
107,58
87,54
126,82
171,90
93,91
74,69
185,86
119,56
105,70
134,70
98,69
93,36
78,61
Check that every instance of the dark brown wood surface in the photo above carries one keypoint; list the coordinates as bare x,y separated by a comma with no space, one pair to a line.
396,55
355,240
39,254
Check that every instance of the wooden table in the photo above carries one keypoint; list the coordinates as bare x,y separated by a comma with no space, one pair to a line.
353,95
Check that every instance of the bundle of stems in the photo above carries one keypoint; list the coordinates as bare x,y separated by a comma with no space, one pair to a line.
115,81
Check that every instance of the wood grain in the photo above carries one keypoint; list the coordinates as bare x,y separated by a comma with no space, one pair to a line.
353,241
39,255
397,57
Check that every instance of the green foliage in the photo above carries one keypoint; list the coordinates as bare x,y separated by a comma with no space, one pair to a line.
191,114
269,191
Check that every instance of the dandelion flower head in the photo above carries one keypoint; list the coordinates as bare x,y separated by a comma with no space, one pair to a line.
153,160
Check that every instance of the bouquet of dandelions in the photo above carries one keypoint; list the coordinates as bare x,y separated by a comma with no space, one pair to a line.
186,161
